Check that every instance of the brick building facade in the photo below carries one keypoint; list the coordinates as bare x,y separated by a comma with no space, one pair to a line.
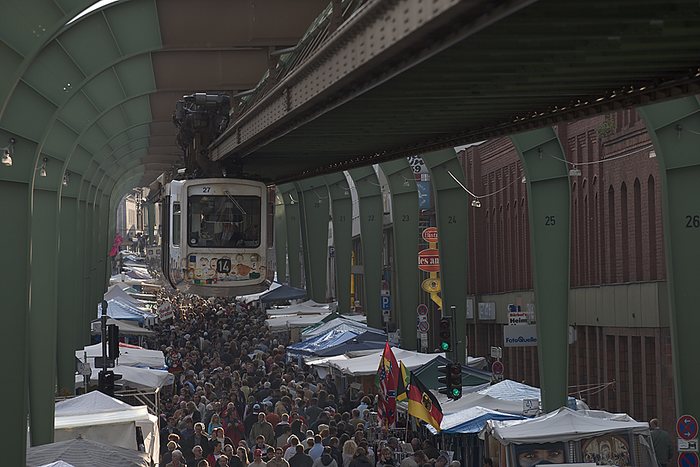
621,358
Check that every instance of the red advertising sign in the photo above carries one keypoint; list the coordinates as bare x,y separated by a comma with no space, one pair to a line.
429,260
430,235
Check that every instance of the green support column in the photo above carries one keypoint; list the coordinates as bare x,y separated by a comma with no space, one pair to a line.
43,312
290,197
674,127
280,239
14,290
315,212
548,204
151,220
69,295
371,219
99,251
404,207
341,208
453,240
86,253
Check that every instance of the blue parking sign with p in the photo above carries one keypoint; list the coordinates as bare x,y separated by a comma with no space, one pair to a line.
386,302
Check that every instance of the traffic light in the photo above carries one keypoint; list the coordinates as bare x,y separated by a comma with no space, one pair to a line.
454,380
113,341
105,382
446,334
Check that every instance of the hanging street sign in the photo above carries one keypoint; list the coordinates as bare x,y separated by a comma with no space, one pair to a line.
431,285
687,427
386,302
429,260
497,367
688,459
430,235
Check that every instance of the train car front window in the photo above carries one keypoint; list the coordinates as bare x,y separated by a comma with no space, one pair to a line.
223,221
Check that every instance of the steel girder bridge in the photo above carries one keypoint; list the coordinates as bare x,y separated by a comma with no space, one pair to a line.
86,102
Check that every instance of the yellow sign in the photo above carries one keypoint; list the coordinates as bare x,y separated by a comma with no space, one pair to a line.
431,285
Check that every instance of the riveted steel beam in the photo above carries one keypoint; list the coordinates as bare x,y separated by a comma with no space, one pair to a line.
392,35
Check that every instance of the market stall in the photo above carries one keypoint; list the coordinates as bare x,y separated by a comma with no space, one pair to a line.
570,436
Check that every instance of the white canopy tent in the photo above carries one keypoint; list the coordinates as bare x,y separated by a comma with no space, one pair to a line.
84,453
368,364
138,378
124,328
129,355
99,417
476,399
564,424
280,323
593,436
117,292
506,396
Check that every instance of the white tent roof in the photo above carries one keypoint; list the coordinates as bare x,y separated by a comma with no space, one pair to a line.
92,402
117,292
563,424
134,377
96,408
124,279
128,356
368,364
85,453
124,328
510,390
291,321
475,399
102,418
506,396
58,464
296,310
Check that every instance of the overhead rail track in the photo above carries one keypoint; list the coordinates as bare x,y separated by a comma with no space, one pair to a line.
386,79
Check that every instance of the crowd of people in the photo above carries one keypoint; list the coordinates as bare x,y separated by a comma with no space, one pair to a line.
239,402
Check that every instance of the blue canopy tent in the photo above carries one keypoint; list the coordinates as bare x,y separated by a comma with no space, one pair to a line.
313,345
471,420
120,310
368,340
283,294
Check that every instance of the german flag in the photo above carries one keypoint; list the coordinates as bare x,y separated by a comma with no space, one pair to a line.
422,403
402,389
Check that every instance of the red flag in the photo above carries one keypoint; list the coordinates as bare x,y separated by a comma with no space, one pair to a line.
115,247
388,376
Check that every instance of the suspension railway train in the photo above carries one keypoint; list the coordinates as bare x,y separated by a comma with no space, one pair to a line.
214,236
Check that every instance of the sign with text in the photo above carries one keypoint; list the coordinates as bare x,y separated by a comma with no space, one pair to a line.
487,310
687,445
429,260
430,235
385,301
518,318
520,336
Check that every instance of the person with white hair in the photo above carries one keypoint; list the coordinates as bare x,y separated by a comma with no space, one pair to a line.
177,460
